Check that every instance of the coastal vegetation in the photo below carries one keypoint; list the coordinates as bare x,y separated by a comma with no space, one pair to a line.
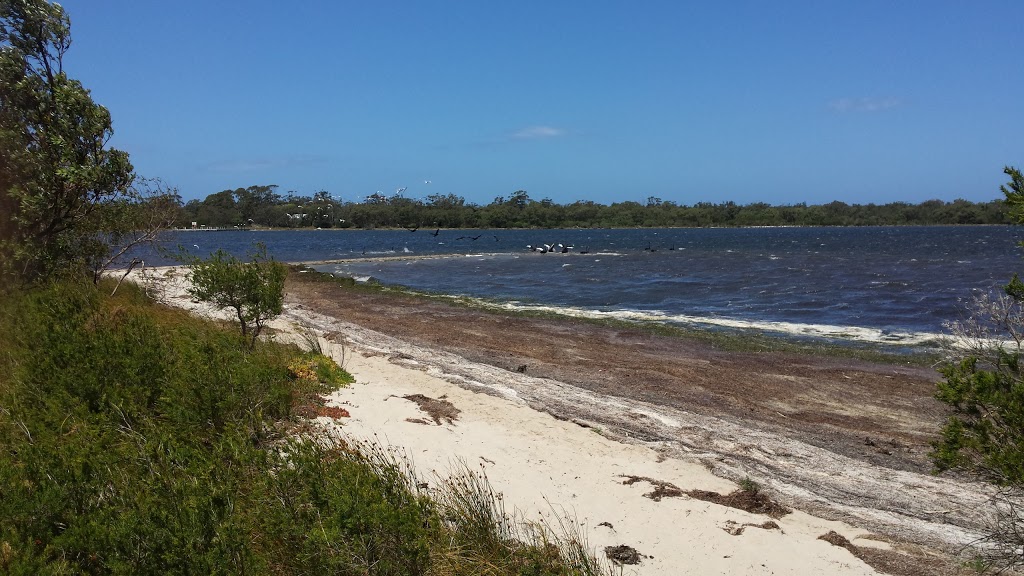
67,201
265,206
984,385
254,290
139,439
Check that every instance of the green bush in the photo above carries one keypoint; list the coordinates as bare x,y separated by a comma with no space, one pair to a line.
129,432
136,439
984,387
253,289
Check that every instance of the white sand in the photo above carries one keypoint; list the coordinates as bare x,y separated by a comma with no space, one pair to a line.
545,467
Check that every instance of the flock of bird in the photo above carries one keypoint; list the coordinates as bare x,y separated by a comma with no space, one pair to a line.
540,248
560,248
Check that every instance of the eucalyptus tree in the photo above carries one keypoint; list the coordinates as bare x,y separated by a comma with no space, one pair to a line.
61,186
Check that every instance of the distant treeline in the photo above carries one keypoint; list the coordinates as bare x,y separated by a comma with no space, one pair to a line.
263,206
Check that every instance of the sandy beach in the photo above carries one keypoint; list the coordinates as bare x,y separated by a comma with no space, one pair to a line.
617,431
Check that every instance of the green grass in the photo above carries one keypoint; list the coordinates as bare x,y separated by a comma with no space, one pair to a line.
732,340
137,439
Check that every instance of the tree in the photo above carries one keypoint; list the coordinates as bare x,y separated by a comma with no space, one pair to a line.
60,182
136,219
253,289
984,385
1014,193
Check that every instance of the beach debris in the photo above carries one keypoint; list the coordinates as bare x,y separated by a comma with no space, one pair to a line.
755,502
622,554
417,421
836,539
607,524
733,529
334,412
438,408
661,489
736,529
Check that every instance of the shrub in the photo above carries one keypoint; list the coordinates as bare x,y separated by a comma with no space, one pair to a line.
136,439
984,386
253,289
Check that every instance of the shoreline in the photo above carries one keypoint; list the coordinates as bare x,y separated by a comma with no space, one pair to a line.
511,419
883,340
385,229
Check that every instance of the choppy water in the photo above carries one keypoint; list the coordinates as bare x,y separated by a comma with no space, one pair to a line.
897,284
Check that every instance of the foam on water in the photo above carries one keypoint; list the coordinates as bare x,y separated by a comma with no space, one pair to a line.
850,333
847,333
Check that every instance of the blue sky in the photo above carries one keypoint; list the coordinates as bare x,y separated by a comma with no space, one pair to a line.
781,102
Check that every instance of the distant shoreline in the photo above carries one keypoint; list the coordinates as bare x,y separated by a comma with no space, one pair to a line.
783,226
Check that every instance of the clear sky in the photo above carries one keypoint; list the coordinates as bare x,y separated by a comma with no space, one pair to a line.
774,101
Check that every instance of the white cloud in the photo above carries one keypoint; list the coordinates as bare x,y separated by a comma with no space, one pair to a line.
864,104
537,133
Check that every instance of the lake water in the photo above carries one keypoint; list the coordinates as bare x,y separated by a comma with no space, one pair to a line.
886,284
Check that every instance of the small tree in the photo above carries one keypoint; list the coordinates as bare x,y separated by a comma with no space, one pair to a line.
253,289
984,384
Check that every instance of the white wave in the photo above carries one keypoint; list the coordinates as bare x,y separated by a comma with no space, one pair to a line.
849,333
